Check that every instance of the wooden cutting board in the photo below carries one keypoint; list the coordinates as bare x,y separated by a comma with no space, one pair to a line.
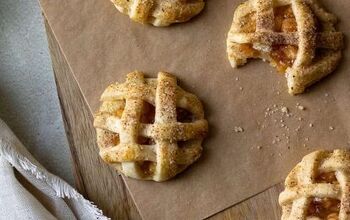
100,183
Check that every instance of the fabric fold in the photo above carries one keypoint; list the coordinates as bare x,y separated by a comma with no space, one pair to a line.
18,203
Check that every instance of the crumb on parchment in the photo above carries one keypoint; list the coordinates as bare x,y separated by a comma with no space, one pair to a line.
287,119
238,129
300,107
285,109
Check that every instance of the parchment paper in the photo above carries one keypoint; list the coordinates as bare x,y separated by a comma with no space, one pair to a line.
102,45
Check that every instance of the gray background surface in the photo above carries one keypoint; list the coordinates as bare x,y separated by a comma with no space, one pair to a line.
28,96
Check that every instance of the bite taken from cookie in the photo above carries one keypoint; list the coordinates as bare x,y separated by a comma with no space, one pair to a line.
297,37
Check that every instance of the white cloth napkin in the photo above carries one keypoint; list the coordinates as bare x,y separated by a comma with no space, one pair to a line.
58,199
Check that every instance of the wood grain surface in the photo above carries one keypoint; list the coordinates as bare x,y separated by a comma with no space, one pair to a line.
94,179
100,183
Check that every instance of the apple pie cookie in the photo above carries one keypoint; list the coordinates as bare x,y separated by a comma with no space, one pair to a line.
318,188
150,128
160,12
297,37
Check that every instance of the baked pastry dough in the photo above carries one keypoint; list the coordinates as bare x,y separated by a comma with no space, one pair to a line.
150,129
318,188
160,12
297,37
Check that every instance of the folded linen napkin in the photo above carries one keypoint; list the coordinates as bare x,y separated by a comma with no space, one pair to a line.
58,199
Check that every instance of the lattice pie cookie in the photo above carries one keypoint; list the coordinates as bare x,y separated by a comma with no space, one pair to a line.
318,188
160,12
297,37
150,129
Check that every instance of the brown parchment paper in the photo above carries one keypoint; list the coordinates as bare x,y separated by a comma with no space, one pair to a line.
102,45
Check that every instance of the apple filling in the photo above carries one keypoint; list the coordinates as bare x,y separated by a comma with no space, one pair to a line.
147,117
118,113
327,178
281,56
148,113
284,19
325,208
184,116
147,168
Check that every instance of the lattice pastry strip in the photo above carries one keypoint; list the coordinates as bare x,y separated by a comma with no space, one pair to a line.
307,196
121,118
301,41
160,12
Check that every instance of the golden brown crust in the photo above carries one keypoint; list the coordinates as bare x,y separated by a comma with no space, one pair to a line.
160,12
150,149
303,186
254,24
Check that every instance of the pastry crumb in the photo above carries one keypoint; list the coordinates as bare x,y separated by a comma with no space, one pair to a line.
238,129
300,107
285,110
